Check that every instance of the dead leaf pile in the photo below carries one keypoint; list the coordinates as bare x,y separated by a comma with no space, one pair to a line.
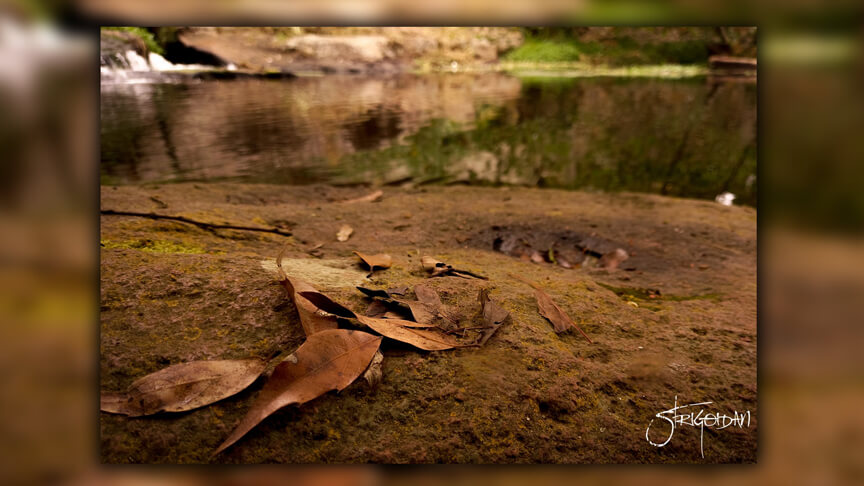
331,358
408,332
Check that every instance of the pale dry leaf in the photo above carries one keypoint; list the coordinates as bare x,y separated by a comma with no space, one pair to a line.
344,233
372,197
183,387
381,260
374,373
328,360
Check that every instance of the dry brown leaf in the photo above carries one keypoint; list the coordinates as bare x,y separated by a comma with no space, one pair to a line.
327,304
493,315
427,295
429,340
373,197
311,318
183,387
421,312
377,308
328,360
561,322
429,306
381,260
344,233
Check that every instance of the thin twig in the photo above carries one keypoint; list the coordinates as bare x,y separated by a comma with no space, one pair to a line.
200,224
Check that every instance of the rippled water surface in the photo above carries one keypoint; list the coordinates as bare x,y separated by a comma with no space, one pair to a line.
692,138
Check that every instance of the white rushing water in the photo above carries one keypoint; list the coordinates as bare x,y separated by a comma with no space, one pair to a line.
131,67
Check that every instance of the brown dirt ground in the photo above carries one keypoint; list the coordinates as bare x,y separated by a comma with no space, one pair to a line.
172,292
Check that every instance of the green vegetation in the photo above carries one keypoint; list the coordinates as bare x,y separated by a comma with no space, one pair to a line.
557,144
153,246
616,48
145,35
534,50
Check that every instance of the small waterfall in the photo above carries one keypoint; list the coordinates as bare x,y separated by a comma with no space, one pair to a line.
132,67
137,62
159,63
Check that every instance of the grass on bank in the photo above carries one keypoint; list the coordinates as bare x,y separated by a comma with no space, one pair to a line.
623,51
145,35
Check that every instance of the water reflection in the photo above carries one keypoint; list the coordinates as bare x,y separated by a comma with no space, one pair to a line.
689,138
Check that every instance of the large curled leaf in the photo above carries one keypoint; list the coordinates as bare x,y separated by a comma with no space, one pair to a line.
561,322
183,387
328,360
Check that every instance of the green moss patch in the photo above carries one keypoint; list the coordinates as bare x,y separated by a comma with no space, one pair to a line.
153,246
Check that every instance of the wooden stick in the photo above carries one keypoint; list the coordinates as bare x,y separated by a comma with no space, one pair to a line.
200,224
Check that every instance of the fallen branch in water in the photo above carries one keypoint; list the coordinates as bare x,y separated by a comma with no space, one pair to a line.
200,224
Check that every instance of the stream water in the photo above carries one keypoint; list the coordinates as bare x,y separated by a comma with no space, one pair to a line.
690,138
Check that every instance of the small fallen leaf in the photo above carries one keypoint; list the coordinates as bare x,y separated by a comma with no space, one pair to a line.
427,295
561,322
438,268
328,360
344,233
183,387
380,260
493,315
429,306
373,197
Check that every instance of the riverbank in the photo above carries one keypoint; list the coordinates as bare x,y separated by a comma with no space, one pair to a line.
617,51
678,318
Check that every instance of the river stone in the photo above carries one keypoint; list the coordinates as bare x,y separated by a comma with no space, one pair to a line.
367,48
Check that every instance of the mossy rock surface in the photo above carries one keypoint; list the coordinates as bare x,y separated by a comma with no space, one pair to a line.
172,292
